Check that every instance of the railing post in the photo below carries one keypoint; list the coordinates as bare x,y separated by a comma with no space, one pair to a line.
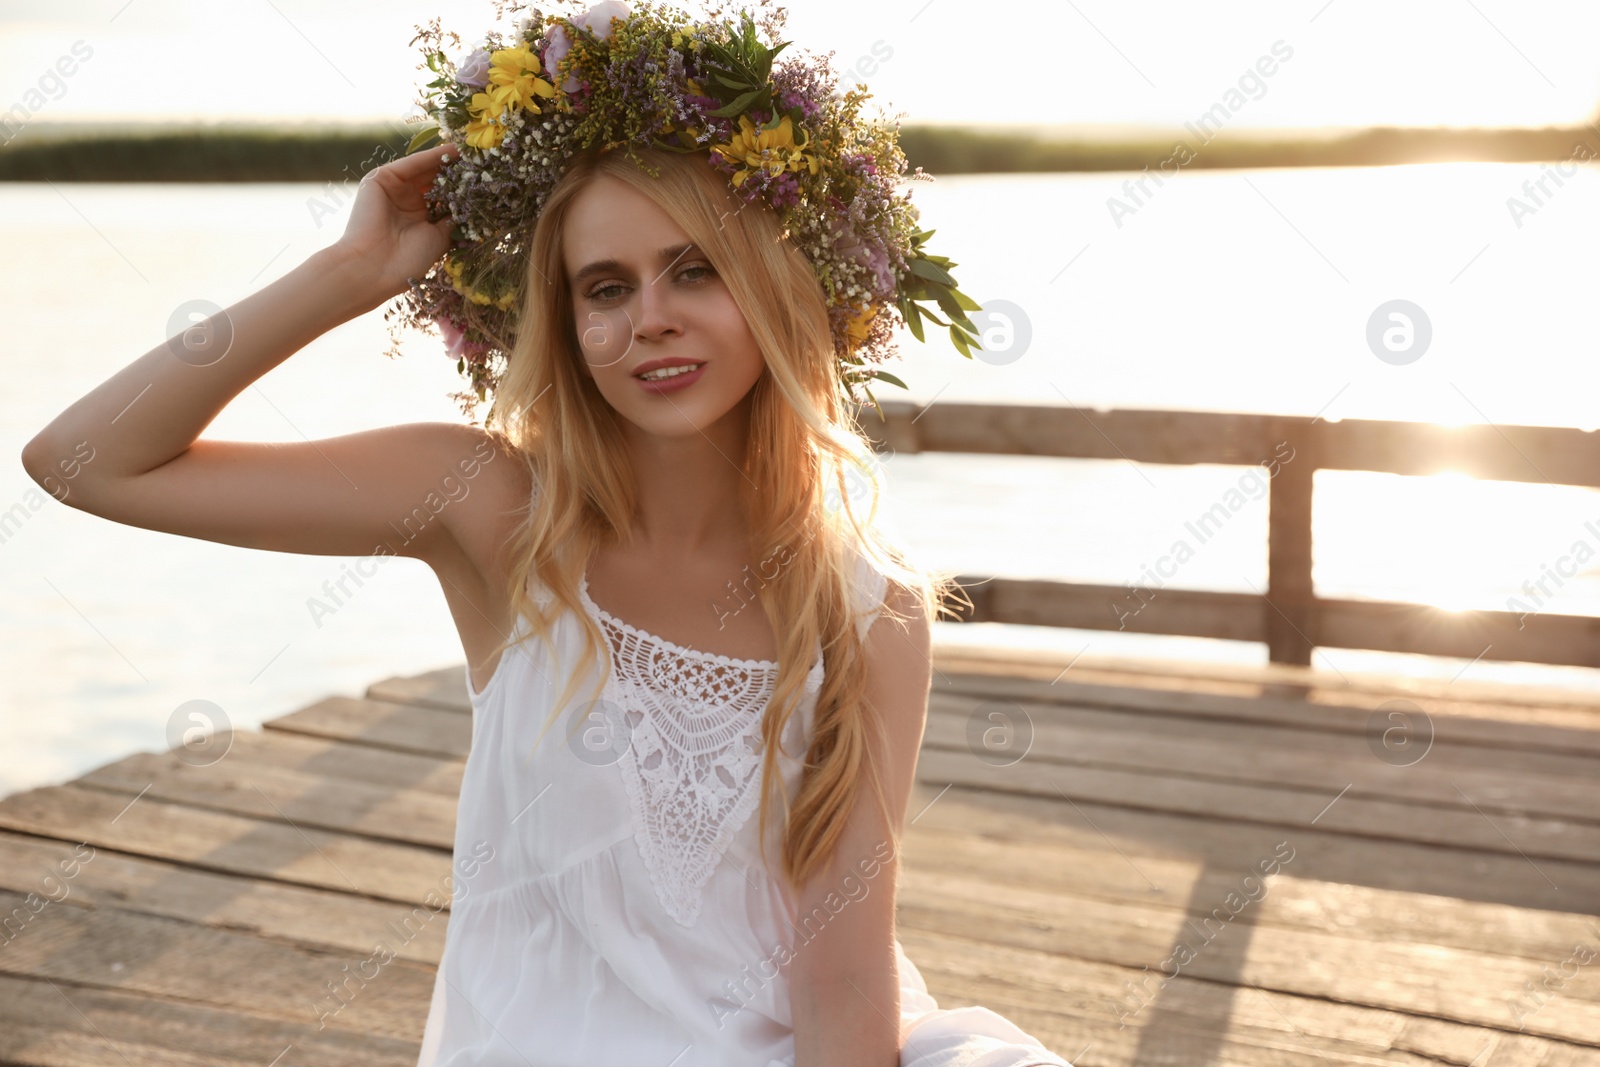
1291,611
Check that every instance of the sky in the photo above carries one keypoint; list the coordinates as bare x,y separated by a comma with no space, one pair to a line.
1099,63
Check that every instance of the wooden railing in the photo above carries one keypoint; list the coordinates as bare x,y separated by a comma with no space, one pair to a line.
1289,617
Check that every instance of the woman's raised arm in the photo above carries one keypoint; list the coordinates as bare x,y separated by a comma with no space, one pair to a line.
129,450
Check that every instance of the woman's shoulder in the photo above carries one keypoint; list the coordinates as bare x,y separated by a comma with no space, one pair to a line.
482,463
480,486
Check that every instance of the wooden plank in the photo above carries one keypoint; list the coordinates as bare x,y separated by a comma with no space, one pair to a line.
1426,630
1289,614
444,689
58,1024
1088,606
1290,603
1442,982
1137,835
1174,884
110,948
1069,1003
230,844
409,816
956,650
381,724
1326,763
356,762
314,917
1544,454
1547,454
1532,836
1501,729
1444,751
1071,432
957,654
1376,625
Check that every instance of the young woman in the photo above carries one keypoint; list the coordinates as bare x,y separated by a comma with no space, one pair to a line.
666,567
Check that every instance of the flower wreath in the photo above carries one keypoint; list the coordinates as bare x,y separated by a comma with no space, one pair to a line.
520,108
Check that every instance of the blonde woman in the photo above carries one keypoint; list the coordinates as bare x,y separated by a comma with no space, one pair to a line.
697,865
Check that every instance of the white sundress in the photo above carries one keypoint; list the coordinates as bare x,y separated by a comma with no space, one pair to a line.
610,904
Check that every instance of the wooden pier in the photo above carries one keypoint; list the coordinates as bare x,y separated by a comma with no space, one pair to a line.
1435,895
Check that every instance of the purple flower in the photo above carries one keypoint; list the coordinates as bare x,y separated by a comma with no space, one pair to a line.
474,70
870,257
784,191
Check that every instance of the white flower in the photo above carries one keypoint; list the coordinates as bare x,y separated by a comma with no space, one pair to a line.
598,18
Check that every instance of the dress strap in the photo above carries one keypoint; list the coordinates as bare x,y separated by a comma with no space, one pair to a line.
869,589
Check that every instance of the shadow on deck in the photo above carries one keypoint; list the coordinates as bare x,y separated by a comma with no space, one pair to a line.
1085,856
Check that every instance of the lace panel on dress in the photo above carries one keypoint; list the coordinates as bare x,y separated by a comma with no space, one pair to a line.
692,761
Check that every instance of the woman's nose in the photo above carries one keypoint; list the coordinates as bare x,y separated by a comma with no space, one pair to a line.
657,312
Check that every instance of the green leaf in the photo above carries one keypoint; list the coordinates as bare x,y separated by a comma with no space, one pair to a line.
934,318
669,146
966,302
874,402
925,269
424,135
884,375
914,323
959,339
948,302
738,106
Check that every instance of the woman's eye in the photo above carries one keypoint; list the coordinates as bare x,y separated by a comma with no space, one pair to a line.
704,269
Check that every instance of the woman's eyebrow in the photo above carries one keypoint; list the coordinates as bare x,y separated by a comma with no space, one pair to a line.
670,254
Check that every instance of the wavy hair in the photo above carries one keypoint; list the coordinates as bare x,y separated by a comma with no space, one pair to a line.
806,463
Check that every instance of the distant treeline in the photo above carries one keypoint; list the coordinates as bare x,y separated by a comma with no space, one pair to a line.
257,154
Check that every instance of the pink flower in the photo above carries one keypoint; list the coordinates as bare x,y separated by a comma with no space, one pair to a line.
596,20
454,339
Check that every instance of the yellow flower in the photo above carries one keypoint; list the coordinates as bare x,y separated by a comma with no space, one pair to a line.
773,150
487,129
453,269
484,135
514,78
857,325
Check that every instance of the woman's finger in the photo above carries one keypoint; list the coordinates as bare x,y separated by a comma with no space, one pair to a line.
409,168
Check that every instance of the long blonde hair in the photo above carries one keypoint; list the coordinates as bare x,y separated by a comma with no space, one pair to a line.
804,452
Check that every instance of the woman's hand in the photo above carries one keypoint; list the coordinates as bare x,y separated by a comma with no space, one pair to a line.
389,238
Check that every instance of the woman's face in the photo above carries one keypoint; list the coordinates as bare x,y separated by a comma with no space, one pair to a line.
641,292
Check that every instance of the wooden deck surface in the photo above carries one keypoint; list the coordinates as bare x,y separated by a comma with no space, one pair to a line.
1433,904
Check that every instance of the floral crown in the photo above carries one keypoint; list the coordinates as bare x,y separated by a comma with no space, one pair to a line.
520,108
